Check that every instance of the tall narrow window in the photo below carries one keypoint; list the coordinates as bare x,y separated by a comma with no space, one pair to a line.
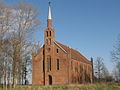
43,66
43,52
50,33
58,66
77,66
50,41
71,65
47,33
49,63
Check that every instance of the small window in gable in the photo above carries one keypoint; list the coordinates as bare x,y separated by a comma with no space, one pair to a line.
57,50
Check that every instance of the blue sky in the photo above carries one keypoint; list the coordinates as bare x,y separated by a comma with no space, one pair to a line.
90,26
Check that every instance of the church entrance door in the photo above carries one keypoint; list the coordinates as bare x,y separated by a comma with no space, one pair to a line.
50,79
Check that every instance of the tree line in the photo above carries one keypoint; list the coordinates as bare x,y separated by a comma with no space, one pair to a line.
17,25
100,70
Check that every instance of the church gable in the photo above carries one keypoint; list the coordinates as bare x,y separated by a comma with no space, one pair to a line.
60,47
74,53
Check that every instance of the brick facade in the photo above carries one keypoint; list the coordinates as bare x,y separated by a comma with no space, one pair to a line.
56,63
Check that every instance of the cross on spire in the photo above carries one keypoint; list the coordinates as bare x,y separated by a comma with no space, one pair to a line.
49,3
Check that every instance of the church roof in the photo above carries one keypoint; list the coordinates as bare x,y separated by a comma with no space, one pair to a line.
74,53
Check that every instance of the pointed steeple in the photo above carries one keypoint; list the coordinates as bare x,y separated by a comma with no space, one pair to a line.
49,35
49,19
49,11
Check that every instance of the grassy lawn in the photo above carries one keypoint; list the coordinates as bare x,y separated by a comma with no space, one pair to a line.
98,86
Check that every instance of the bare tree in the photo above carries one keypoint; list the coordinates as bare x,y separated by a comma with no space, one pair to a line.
116,52
116,72
101,71
26,21
5,60
116,58
17,24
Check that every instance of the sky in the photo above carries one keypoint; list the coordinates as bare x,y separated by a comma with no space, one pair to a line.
89,26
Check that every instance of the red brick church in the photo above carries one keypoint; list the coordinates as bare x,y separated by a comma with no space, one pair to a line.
56,63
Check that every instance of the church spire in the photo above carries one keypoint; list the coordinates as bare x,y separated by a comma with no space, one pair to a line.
49,11
49,20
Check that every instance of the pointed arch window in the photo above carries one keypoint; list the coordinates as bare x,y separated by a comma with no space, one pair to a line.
43,65
43,52
71,65
58,64
49,63
50,33
47,33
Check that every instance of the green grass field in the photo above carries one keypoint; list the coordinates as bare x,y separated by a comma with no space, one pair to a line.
98,86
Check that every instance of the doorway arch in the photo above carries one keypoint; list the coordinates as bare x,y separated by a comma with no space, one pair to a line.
50,79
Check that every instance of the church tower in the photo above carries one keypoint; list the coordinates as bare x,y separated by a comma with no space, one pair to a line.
48,50
49,32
